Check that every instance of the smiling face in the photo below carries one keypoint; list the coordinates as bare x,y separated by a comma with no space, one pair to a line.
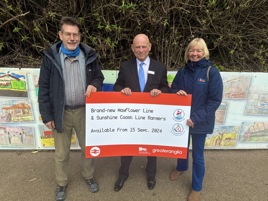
196,50
195,53
70,36
141,47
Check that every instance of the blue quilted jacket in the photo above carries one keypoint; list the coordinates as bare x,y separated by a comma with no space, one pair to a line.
206,93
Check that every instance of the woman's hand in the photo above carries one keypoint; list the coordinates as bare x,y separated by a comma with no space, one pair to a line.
182,93
190,123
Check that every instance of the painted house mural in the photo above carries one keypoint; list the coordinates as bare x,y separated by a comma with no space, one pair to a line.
13,84
16,111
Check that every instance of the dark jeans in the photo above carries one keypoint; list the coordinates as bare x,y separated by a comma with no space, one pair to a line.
198,170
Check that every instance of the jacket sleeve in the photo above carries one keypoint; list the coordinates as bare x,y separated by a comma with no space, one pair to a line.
176,83
96,78
120,81
45,106
214,98
163,87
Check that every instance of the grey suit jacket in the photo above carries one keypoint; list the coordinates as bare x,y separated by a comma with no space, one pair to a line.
128,77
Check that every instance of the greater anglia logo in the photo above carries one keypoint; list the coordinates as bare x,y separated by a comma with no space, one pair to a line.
95,151
167,151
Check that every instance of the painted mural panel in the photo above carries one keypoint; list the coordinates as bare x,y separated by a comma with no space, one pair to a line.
15,111
13,83
47,140
254,132
222,137
236,86
17,136
35,77
241,120
221,113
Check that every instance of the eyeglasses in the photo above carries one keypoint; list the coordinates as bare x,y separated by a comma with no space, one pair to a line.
69,35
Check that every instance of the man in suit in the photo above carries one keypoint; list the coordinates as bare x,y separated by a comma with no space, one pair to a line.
153,80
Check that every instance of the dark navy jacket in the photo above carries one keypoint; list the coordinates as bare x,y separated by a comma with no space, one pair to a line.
51,86
206,93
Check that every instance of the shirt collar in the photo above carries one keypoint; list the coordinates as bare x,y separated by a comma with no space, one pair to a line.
146,61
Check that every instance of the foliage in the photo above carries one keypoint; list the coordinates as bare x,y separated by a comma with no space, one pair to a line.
236,31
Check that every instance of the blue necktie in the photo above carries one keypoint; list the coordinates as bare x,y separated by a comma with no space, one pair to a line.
141,77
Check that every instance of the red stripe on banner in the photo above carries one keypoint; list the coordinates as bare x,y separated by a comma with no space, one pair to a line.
138,97
135,150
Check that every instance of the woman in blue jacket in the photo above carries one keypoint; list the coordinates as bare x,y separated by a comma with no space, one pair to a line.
201,79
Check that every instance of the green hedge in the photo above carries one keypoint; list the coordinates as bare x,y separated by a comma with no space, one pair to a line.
236,31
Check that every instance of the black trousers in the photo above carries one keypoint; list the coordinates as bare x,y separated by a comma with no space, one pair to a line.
126,161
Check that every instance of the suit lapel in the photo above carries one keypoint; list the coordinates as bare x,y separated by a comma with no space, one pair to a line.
134,74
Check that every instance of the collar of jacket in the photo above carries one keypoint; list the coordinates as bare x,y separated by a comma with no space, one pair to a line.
90,54
202,63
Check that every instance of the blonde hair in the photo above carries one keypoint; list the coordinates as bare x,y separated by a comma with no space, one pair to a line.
201,43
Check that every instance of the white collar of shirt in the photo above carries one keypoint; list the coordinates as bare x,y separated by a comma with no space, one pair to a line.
146,64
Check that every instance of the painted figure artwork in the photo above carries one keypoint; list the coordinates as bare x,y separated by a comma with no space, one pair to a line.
17,136
13,83
14,111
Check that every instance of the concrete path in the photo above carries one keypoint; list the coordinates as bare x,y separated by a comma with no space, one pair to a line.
231,175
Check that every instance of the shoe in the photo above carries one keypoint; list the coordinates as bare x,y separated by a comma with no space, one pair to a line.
92,185
60,193
194,196
174,175
151,183
119,183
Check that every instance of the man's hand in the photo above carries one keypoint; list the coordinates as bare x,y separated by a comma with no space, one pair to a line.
90,89
155,92
126,91
50,125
